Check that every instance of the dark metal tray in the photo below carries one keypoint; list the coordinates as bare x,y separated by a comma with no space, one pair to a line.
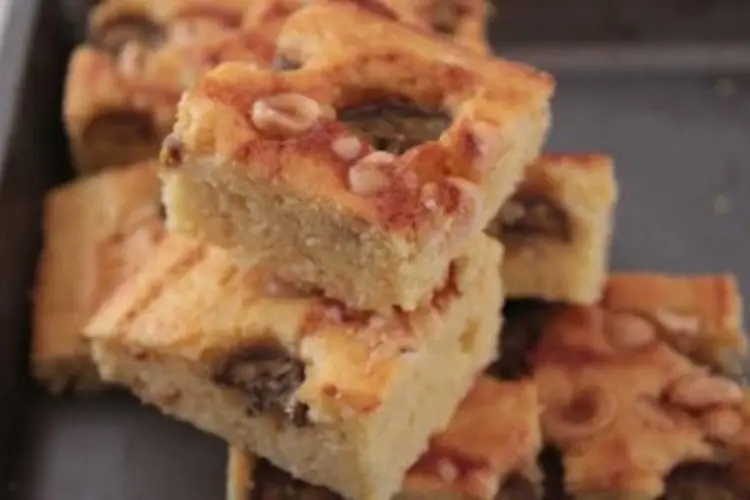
665,88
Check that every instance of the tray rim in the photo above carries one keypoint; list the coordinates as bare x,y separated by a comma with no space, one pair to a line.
15,36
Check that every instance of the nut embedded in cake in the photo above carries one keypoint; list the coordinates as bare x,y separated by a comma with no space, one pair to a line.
362,176
346,399
97,232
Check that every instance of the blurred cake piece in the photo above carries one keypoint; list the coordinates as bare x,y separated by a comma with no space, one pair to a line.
557,229
362,174
488,452
626,408
97,232
346,399
124,83
700,315
460,21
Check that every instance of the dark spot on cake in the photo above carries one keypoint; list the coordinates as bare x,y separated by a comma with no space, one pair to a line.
395,125
273,483
518,487
120,128
551,463
112,36
282,63
446,16
171,155
532,215
522,329
269,377
701,481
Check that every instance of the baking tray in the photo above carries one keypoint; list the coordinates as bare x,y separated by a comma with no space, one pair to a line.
663,86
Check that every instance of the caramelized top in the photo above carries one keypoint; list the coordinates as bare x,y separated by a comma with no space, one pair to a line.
400,134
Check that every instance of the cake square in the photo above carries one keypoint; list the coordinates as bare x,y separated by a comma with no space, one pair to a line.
626,408
460,21
557,229
123,85
700,315
339,175
488,451
345,399
97,231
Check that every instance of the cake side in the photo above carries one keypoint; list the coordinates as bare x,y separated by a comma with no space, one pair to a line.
97,232
365,150
488,451
557,229
188,331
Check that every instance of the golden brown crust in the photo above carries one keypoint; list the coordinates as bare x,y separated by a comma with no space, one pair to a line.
350,356
139,58
330,30
97,232
343,398
625,407
557,229
494,433
291,135
701,315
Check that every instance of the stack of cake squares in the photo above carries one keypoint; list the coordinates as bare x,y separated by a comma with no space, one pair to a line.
351,190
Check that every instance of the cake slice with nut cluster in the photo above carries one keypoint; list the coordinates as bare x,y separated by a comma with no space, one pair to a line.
124,83
557,229
488,452
361,175
627,409
341,398
97,232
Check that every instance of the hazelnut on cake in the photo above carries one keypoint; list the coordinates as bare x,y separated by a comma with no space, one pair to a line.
97,231
460,21
344,399
557,229
626,408
124,83
360,174
700,315
488,452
